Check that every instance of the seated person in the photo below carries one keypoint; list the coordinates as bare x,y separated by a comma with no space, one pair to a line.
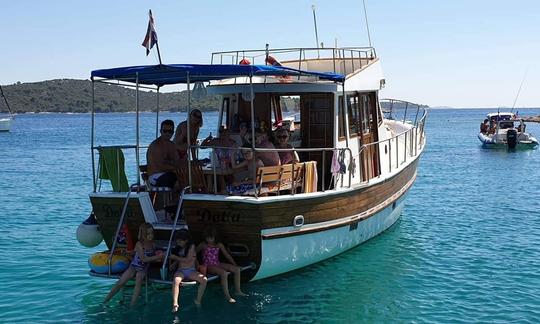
221,143
240,137
282,141
267,158
484,127
162,157
244,172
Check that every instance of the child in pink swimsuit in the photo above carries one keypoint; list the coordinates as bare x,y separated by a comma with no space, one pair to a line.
210,252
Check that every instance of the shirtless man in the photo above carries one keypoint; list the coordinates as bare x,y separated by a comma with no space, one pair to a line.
162,157
180,138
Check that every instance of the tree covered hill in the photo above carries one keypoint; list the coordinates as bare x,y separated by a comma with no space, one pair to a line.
69,95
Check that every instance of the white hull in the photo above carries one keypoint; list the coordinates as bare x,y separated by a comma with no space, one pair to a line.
5,124
525,141
294,252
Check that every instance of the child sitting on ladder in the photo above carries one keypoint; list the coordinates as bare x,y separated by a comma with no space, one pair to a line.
210,248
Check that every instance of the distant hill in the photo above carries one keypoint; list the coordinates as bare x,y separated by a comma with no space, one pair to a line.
69,95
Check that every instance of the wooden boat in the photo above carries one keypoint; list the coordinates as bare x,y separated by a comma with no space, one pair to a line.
506,131
357,165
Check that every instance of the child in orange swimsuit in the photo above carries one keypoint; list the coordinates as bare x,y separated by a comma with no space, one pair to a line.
210,252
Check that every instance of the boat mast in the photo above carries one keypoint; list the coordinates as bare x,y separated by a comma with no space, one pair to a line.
5,100
519,90
367,23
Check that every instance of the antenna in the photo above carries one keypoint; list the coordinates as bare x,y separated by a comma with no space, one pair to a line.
519,90
367,23
316,34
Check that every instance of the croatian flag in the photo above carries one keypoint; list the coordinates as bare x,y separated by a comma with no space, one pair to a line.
151,36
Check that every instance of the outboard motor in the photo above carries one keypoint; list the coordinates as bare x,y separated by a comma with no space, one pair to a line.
511,138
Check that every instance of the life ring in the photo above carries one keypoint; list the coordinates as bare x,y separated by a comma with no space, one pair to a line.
272,61
98,262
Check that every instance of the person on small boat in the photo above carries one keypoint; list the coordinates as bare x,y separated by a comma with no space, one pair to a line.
211,249
268,158
184,266
145,253
162,157
484,127
180,137
282,141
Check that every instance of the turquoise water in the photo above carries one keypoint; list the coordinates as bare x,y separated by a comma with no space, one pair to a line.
467,248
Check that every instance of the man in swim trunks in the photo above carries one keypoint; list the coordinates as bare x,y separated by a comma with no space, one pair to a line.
162,157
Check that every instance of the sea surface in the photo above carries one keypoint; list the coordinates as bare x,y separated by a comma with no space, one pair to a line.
466,249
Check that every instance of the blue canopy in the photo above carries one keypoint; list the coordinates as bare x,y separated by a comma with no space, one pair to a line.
164,74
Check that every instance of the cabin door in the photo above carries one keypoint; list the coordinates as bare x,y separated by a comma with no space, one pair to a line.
317,127
369,126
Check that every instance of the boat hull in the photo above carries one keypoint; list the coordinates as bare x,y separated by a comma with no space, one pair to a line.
264,233
491,143
297,251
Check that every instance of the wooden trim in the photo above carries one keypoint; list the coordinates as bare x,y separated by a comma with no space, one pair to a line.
355,219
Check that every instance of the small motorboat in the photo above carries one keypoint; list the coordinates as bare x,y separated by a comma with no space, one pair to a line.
505,130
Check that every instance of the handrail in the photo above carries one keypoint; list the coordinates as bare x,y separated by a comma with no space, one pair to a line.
255,150
298,54
412,133
120,223
178,208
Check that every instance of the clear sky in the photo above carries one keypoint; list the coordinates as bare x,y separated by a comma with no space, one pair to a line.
461,53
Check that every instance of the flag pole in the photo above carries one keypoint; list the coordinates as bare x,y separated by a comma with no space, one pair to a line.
158,54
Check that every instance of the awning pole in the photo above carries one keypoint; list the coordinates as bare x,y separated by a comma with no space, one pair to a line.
253,132
157,113
94,180
137,134
189,131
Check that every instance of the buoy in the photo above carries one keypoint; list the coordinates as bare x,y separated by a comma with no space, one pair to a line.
98,262
88,233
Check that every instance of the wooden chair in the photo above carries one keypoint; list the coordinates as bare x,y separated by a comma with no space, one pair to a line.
198,181
274,179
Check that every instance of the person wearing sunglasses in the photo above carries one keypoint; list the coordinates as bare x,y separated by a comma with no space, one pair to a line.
282,141
162,157
180,138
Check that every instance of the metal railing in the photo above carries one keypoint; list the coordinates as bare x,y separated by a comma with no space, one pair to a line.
118,227
406,144
335,150
96,171
163,271
343,58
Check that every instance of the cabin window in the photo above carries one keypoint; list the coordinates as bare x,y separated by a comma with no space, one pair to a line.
367,114
354,114
341,118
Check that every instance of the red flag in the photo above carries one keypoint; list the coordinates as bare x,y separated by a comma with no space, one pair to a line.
151,36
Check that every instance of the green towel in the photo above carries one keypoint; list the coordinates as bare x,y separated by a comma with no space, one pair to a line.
111,166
